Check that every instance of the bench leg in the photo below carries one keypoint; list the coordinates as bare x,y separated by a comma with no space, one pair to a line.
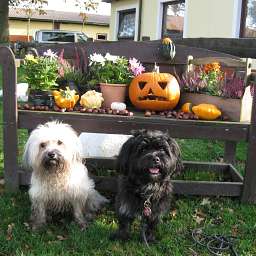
10,117
249,190
230,152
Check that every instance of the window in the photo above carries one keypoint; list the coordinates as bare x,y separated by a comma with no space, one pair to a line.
126,28
248,19
100,36
173,18
58,37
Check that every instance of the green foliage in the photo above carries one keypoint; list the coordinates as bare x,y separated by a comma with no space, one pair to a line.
109,69
40,72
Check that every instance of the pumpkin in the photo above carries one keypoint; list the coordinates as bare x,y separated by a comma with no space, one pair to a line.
206,111
168,48
154,91
91,99
187,107
65,98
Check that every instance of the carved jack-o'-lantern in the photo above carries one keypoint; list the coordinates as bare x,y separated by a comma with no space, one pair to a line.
154,91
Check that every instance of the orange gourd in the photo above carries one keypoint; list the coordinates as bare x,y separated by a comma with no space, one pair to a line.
154,91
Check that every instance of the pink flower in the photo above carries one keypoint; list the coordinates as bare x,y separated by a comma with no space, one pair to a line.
135,67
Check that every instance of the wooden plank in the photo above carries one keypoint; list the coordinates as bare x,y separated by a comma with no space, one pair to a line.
114,124
110,163
228,62
7,61
242,47
205,166
204,188
230,152
208,188
146,51
235,174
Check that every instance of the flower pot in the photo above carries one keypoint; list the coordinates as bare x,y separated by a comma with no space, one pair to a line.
113,93
41,98
238,110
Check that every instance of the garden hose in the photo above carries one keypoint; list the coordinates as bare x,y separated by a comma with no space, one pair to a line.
216,244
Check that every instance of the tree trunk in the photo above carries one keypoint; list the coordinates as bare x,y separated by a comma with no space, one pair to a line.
4,26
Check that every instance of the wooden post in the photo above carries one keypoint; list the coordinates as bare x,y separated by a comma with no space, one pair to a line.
230,152
249,188
10,116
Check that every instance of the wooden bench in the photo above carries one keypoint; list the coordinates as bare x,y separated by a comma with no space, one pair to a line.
148,53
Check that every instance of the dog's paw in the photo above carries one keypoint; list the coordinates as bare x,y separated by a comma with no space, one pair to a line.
119,235
83,225
36,226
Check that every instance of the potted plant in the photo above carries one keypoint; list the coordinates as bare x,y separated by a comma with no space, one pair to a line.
226,90
41,74
113,74
71,75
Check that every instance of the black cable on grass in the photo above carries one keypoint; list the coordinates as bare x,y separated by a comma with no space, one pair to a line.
216,244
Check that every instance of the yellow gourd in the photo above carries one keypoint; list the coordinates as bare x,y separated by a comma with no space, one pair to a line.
206,111
91,99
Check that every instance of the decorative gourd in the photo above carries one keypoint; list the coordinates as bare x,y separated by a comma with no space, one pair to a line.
65,98
168,48
206,111
91,99
154,91
187,107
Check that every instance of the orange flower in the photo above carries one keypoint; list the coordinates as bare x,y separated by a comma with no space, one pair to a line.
215,66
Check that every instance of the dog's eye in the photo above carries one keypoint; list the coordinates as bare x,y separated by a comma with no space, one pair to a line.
60,142
42,145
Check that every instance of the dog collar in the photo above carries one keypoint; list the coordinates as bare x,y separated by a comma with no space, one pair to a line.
147,208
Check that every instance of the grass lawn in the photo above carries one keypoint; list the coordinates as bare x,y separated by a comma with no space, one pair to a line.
215,215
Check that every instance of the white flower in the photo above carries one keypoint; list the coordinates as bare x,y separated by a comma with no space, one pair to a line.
98,58
49,53
112,58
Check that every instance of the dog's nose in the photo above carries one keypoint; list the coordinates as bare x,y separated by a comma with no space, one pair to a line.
156,159
51,154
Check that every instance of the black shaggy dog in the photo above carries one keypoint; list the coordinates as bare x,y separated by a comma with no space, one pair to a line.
147,162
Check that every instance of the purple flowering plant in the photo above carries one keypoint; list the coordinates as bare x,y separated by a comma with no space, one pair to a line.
229,86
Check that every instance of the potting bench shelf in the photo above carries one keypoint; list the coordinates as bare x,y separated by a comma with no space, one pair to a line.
230,132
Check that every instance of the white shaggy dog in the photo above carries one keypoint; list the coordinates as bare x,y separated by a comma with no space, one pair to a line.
59,178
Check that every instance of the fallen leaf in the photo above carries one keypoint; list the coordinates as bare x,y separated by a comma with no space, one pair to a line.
205,201
9,232
234,230
173,213
193,252
199,216
61,238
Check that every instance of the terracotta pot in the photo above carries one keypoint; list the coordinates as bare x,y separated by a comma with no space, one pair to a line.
113,93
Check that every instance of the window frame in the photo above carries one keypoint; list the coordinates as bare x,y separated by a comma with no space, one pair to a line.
123,12
164,16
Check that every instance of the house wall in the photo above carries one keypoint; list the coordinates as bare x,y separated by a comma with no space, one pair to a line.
89,30
203,18
218,18
18,27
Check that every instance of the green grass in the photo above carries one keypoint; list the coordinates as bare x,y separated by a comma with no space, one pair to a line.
63,237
